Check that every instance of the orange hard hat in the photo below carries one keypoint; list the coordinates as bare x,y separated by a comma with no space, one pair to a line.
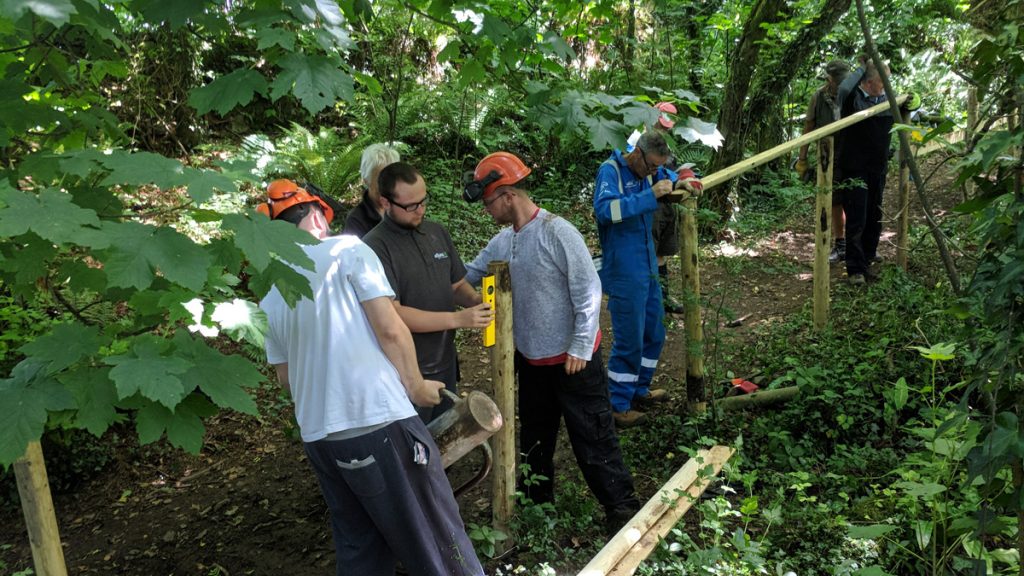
666,108
497,169
283,194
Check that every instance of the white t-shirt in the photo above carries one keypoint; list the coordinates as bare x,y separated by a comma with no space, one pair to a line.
340,378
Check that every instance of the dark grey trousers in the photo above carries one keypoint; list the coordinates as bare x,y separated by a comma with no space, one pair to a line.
386,505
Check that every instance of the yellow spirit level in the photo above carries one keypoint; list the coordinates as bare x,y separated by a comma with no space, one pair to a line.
487,289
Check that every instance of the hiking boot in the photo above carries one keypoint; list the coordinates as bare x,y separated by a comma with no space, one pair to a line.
629,418
857,280
616,518
653,396
876,258
838,253
672,306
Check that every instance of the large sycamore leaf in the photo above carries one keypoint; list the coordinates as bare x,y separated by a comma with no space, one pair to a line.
606,134
18,114
141,168
260,239
51,214
148,370
138,251
231,90
175,14
96,397
26,397
314,80
184,426
57,12
223,378
64,345
292,285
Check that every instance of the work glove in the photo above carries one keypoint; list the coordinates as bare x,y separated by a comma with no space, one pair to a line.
913,102
688,181
801,168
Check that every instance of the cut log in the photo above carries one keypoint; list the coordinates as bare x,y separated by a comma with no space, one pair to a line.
470,422
763,398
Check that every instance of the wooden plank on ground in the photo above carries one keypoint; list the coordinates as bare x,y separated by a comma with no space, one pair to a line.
638,538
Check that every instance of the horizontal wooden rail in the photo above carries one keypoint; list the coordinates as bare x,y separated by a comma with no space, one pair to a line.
638,538
730,172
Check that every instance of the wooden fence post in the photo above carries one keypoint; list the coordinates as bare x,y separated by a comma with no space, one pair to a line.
903,217
695,394
503,443
40,518
823,232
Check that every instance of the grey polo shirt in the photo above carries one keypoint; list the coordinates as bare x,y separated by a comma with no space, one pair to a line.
421,265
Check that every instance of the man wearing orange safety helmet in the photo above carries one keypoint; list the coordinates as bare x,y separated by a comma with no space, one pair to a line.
348,361
556,305
428,276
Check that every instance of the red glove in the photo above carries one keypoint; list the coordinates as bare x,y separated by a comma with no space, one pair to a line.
687,179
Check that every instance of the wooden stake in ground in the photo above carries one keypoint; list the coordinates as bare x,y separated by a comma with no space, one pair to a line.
822,232
503,443
690,267
40,518
638,538
903,219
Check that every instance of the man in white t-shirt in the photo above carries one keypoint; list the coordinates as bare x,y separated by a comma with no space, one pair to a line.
348,361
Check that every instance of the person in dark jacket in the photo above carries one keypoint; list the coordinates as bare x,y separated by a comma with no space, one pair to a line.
367,214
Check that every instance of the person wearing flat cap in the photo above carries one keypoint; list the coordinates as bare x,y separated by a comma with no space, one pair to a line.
824,109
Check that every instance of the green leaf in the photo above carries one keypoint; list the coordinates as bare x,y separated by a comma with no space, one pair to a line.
229,91
870,532
141,168
233,374
26,398
96,397
558,47
606,134
921,490
292,285
699,131
57,12
314,80
472,72
27,259
203,183
178,258
186,430
900,393
18,115
939,351
63,346
1003,435
24,211
260,238
871,571
269,37
147,370
151,421
175,14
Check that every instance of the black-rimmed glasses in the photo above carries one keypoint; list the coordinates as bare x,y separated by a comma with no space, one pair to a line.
643,156
414,206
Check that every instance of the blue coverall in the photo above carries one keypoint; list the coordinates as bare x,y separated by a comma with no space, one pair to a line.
629,276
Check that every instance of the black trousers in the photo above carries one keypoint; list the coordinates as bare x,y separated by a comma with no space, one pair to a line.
862,203
390,500
546,396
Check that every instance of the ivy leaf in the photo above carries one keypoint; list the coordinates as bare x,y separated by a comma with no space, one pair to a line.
259,238
96,397
314,80
63,346
57,12
26,398
229,91
147,370
22,212
233,374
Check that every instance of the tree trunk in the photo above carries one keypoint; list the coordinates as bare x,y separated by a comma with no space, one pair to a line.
742,63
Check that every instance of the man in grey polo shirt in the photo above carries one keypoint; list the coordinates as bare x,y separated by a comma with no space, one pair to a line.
427,275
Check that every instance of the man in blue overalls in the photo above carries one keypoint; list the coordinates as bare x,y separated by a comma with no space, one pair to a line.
625,199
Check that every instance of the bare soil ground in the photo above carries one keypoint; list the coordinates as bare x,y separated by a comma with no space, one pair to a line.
249,503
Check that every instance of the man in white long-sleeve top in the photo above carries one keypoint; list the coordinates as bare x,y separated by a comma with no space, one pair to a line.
556,304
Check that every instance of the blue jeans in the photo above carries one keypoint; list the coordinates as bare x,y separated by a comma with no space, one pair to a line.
389,500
